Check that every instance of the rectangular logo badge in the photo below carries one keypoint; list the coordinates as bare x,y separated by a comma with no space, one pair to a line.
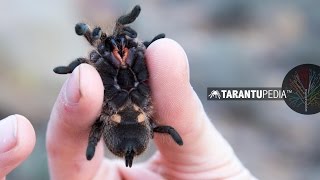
246,93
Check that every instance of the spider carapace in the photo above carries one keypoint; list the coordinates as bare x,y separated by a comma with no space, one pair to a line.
125,122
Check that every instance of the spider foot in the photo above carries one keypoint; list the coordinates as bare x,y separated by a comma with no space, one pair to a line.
90,151
81,28
62,70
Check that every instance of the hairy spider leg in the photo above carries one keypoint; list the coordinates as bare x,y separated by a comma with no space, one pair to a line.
139,67
94,137
130,17
94,56
68,69
96,33
168,130
127,19
92,36
159,36
129,32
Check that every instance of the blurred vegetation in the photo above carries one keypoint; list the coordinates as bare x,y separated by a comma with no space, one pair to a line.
228,42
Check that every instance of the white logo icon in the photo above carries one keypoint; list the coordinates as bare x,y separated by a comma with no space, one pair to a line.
215,94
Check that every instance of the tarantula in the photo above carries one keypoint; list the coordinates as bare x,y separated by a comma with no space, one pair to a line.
125,121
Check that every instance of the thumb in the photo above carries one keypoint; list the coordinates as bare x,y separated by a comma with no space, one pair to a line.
76,108
17,140
177,105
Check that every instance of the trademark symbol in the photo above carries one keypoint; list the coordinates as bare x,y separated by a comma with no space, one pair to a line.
289,91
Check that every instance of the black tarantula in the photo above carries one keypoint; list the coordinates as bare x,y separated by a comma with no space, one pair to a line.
126,118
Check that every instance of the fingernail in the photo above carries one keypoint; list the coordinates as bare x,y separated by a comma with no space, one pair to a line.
8,133
73,87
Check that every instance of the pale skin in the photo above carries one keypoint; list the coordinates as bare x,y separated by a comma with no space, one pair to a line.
204,155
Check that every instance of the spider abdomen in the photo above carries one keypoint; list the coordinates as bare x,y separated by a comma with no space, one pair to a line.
121,137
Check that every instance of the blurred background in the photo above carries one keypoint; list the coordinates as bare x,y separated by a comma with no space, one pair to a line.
229,43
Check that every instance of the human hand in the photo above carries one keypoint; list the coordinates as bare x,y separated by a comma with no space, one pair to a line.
17,140
204,155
